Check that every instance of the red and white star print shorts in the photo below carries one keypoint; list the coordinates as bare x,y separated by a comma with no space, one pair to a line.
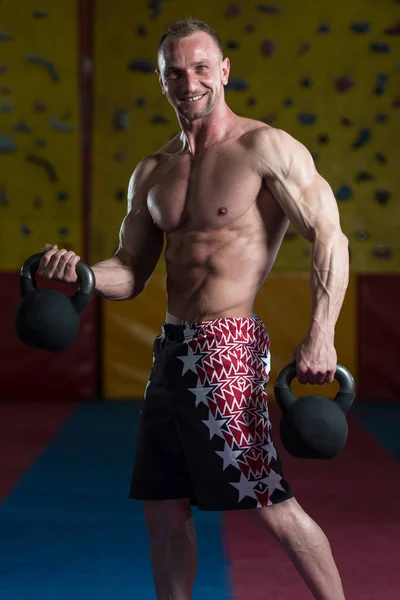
204,430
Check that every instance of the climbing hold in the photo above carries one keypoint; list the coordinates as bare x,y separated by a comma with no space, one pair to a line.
364,176
249,28
344,83
5,90
381,82
155,7
41,143
37,202
62,196
381,118
381,158
43,62
39,107
395,30
142,30
141,65
120,195
6,107
39,14
4,197
25,230
232,45
346,122
63,231
140,102
48,167
362,235
251,101
360,27
61,125
382,252
344,193
159,119
232,10
3,69
323,138
380,48
382,197
267,48
5,36
304,49
324,28
7,144
22,127
306,82
364,135
396,102
121,119
237,84
268,9
306,118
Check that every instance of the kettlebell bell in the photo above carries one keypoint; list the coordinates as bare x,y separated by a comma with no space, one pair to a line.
48,319
314,426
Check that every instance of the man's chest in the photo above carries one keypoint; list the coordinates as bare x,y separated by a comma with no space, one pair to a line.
206,192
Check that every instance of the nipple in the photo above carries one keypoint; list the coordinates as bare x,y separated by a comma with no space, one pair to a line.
222,210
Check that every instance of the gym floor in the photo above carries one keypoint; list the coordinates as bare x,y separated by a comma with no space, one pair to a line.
68,530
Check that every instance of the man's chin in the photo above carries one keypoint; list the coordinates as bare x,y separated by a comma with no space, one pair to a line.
188,115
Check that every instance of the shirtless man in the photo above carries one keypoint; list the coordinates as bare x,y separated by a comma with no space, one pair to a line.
223,192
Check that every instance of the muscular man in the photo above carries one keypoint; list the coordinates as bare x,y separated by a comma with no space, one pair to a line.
223,192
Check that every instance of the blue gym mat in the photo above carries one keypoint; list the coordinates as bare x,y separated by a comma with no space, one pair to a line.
68,531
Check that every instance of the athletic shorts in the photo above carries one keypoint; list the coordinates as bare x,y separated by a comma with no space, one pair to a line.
204,431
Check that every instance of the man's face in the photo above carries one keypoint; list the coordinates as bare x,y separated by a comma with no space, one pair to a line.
192,74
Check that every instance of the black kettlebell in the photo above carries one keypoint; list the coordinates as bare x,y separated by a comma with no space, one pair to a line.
314,426
48,319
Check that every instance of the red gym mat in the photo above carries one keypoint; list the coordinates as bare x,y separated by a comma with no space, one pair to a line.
354,498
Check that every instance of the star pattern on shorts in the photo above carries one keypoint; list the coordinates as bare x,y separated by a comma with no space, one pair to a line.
229,456
245,487
201,393
189,361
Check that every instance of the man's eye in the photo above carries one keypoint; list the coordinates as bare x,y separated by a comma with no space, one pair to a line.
202,67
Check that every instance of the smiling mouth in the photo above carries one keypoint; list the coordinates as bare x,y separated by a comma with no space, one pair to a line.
193,99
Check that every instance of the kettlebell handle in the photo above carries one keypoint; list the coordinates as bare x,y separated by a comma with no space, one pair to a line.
85,276
344,398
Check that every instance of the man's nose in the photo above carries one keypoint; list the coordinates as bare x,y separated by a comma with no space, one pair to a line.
190,80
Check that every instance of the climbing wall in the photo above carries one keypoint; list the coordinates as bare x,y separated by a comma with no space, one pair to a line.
40,172
326,73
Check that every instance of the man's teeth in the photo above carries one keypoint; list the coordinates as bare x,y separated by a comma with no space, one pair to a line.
194,98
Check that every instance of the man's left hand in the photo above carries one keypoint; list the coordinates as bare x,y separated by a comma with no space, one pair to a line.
316,360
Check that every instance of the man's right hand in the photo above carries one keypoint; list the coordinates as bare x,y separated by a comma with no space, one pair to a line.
58,264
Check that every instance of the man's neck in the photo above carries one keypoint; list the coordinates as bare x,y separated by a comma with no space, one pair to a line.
200,134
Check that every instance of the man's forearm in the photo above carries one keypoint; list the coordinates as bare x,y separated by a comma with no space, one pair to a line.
329,281
115,281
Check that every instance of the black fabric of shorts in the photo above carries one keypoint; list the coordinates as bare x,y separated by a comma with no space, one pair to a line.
204,430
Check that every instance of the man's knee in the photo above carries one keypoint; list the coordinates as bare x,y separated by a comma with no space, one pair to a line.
165,517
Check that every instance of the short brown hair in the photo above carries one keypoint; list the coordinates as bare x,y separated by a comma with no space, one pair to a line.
181,29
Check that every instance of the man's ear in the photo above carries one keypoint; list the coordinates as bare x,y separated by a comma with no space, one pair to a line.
225,70
160,80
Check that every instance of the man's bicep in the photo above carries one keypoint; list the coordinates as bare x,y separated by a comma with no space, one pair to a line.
140,240
303,194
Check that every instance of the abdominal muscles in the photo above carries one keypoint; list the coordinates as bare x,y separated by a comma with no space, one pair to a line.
215,274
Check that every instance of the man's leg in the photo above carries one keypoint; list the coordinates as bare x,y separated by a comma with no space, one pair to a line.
172,547
306,545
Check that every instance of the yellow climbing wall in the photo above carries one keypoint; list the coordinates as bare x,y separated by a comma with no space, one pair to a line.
40,159
325,72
